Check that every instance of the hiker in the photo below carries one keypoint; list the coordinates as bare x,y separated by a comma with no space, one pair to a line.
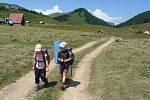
64,57
45,50
40,64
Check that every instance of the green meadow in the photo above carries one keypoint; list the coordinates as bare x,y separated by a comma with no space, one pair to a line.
17,44
122,71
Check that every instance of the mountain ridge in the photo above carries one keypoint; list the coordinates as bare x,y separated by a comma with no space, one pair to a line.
141,18
80,16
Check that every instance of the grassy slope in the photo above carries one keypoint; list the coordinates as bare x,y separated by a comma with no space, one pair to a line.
80,16
122,72
85,28
32,17
138,19
54,92
55,14
124,31
17,45
141,27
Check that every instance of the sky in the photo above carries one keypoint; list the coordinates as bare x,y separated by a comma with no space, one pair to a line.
115,11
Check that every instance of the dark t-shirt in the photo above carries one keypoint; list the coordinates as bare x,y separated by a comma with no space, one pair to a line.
64,55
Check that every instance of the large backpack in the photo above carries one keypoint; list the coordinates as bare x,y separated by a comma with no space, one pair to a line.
72,56
44,60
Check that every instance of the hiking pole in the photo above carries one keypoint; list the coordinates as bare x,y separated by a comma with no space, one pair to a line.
71,70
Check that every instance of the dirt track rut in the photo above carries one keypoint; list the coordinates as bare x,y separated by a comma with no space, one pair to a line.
82,76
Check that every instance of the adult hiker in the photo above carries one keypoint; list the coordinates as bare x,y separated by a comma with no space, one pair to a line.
64,57
41,59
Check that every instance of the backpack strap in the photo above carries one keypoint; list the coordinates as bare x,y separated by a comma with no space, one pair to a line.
43,54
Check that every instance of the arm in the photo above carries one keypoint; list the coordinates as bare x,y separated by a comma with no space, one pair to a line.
46,59
70,57
47,62
66,60
33,61
59,58
33,64
47,66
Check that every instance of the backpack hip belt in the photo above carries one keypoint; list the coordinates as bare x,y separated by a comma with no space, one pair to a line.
40,61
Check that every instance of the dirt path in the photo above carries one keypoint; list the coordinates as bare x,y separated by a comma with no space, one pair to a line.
82,76
20,89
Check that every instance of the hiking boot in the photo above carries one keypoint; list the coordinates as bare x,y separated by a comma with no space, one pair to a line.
37,87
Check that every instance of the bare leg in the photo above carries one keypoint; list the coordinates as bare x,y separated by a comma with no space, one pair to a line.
61,77
64,76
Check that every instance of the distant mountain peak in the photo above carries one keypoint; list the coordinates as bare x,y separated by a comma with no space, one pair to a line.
81,10
81,16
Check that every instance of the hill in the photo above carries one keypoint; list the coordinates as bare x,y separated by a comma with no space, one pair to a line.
80,16
32,16
10,6
77,17
138,19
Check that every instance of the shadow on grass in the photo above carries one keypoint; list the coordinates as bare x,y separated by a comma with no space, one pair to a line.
69,83
50,84
72,83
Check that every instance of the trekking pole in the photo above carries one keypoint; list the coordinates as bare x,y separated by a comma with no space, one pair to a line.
71,70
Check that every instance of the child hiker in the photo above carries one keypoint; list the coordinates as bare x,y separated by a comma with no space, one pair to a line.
41,59
63,59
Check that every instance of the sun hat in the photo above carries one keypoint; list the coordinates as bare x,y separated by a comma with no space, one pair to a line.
63,44
38,47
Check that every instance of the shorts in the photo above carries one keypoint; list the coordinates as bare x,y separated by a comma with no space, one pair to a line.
63,67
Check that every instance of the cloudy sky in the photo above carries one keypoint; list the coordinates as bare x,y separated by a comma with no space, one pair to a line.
115,11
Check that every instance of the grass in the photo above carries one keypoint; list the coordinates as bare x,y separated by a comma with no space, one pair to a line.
17,44
122,72
84,28
124,32
54,92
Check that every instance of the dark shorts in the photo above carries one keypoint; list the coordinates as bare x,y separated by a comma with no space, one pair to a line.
63,67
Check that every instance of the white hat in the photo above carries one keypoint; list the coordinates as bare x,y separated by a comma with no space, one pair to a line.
38,47
63,44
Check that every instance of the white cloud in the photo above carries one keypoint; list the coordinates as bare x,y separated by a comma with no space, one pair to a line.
55,9
89,10
102,15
